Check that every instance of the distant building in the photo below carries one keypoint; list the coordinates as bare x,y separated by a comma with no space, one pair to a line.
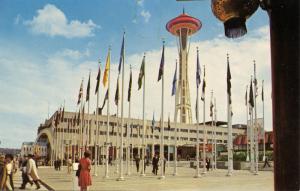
39,149
69,138
240,142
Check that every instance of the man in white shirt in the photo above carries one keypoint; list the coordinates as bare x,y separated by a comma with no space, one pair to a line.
10,171
32,171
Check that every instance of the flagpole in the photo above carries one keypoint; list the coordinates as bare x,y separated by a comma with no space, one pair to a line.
169,130
204,127
197,175
128,150
152,149
229,111
162,124
128,141
229,144
107,125
96,140
117,140
263,127
251,133
247,129
89,124
256,126
144,120
122,119
215,122
214,130
175,128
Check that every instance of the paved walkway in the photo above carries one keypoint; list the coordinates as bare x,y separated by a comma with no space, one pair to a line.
213,180
18,182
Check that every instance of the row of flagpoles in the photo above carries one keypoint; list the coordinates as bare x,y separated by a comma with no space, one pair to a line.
85,134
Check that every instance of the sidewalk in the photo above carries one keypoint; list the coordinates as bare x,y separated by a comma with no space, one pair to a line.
18,182
213,180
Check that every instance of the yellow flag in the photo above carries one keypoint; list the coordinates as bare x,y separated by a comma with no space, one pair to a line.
106,71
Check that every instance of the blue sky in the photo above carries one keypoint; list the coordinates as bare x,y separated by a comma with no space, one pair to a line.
47,47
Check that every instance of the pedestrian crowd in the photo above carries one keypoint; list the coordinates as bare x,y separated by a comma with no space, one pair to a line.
9,166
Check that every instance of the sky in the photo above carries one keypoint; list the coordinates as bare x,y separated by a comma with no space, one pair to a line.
48,47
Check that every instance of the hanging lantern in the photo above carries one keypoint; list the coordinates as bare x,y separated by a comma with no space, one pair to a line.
234,13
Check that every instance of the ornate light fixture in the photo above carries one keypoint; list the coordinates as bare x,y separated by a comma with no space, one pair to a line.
234,13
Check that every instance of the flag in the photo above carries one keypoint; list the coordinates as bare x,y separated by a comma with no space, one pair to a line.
105,98
251,100
117,93
262,91
211,108
160,123
80,93
88,89
256,87
56,118
106,70
121,54
198,71
153,124
62,115
228,80
162,63
83,113
129,86
78,118
169,124
203,86
141,74
174,81
246,95
98,80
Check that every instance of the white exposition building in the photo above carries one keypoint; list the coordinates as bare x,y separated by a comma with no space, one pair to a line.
66,139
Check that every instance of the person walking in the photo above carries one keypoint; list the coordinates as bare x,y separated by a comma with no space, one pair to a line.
207,163
3,174
10,171
25,178
69,164
32,171
85,178
266,162
137,162
155,164
58,164
76,174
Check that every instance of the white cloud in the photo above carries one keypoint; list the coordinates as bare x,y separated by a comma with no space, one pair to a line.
140,2
29,89
74,54
53,22
146,15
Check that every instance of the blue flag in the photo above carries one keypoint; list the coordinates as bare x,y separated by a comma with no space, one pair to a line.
174,81
121,55
162,63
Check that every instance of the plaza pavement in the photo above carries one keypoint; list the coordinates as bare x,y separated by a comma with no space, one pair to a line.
18,182
212,180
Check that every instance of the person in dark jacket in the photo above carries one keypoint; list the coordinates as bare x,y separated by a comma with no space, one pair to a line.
155,161
25,178
137,162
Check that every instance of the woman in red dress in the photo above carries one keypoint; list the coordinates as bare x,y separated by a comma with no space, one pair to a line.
85,179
